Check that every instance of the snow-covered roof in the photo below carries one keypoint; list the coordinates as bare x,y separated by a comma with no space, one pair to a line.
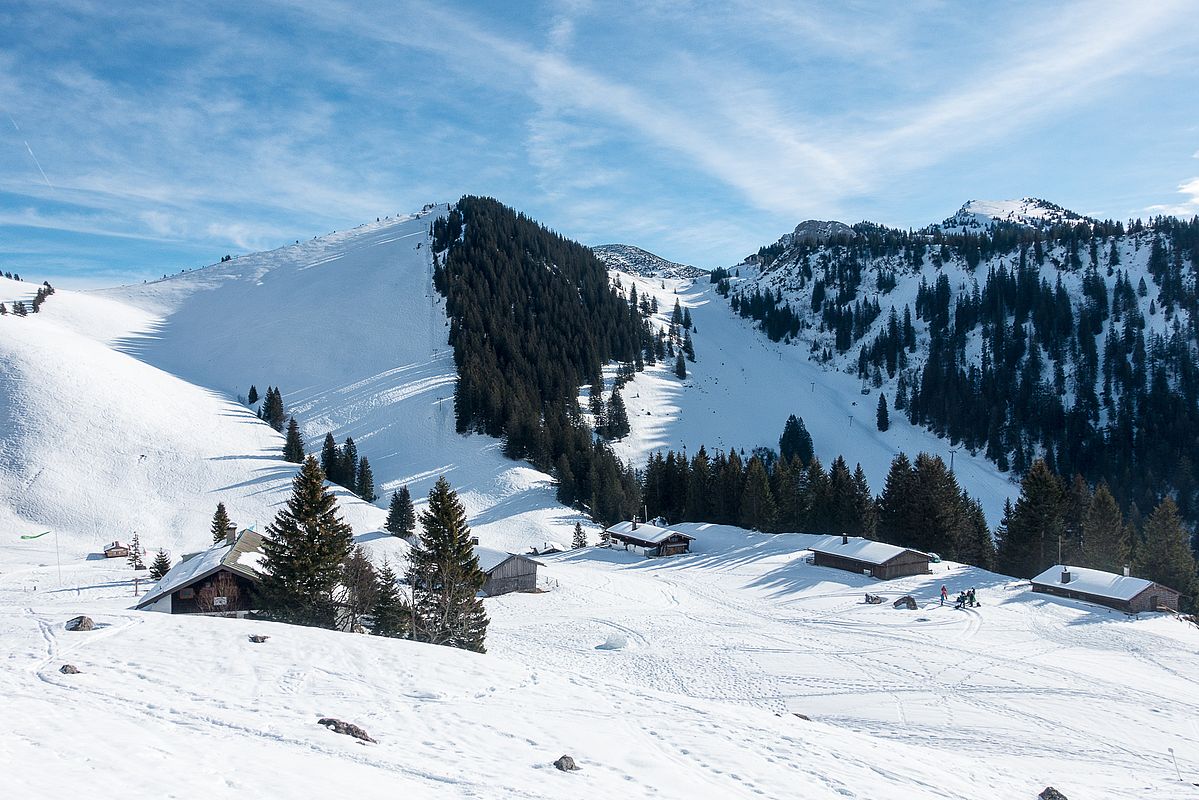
645,532
242,557
489,559
859,549
1094,581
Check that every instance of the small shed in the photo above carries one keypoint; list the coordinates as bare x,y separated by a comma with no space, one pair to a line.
507,572
866,557
220,581
116,550
654,540
1121,592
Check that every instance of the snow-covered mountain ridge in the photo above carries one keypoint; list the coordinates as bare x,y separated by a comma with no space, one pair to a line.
1028,211
635,261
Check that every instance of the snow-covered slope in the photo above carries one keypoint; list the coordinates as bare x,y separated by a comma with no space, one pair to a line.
1031,211
635,261
742,388
97,445
673,678
348,325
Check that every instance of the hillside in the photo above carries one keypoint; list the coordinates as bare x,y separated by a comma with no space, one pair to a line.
635,261
1030,212
1038,334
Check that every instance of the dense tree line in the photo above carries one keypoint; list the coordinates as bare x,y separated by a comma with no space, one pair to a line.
532,318
342,465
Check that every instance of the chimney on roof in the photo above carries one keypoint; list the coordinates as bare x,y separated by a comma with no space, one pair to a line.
1065,575
634,522
845,538
1127,571
230,533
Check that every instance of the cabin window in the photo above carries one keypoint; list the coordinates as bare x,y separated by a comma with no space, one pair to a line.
187,594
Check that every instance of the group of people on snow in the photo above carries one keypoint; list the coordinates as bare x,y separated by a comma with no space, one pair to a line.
965,599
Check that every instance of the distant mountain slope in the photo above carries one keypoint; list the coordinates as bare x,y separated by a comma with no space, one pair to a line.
1028,211
1037,333
635,261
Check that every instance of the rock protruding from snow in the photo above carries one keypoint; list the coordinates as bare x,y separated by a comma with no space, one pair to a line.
635,261
346,728
80,624
258,638
69,669
1051,794
818,231
907,601
566,764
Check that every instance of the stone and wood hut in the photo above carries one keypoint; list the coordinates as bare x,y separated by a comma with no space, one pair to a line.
866,557
1121,592
219,581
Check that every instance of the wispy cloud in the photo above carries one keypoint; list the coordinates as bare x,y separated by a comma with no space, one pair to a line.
1188,207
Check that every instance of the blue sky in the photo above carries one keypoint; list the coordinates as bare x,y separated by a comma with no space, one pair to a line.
138,141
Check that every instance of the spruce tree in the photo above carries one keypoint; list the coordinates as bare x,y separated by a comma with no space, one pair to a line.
1105,543
330,459
135,553
220,524
688,347
882,420
293,448
161,565
1029,542
580,537
392,616
366,481
757,501
445,577
1164,555
680,367
252,397
272,409
401,516
347,468
896,505
617,418
974,545
303,552
795,442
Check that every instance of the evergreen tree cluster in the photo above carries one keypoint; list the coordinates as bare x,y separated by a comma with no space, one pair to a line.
343,466
533,317
272,408
19,308
401,515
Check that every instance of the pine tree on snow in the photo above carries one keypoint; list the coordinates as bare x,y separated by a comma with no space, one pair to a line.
347,467
401,516
330,459
883,420
135,553
161,565
303,552
795,442
580,537
617,421
680,367
392,616
366,481
1164,554
252,397
220,524
293,448
445,576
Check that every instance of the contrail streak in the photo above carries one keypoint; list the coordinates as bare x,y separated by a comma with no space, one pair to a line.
31,155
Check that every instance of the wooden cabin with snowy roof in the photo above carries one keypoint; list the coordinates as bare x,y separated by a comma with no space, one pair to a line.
221,580
651,539
507,572
1121,592
866,557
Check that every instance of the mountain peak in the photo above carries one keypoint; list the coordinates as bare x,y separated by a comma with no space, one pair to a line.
817,231
635,261
1029,211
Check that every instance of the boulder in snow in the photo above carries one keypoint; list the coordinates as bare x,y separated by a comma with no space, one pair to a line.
80,624
1051,794
258,638
907,601
69,669
347,728
566,764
